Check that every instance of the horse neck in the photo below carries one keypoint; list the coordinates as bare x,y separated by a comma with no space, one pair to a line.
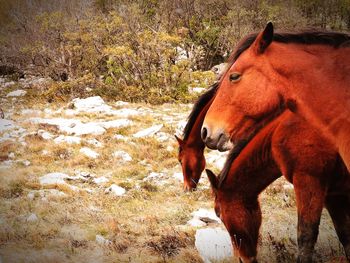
254,169
194,139
311,70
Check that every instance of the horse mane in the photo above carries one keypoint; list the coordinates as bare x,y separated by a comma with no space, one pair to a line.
333,39
198,107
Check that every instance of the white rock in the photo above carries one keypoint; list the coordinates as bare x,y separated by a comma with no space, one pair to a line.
91,104
115,123
67,139
180,128
89,153
126,112
30,112
45,135
100,180
115,190
196,222
94,142
102,241
213,244
170,148
31,195
149,131
16,93
26,163
45,152
216,158
84,128
162,136
122,155
11,155
8,84
32,218
53,178
178,176
288,187
7,125
72,126
207,215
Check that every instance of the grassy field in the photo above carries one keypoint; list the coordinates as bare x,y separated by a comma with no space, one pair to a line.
77,221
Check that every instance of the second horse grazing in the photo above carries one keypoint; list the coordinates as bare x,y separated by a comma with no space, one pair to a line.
287,146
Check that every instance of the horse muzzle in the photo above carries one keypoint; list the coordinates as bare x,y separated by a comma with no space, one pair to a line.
217,140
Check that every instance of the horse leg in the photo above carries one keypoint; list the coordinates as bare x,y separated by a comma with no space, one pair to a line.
310,195
338,207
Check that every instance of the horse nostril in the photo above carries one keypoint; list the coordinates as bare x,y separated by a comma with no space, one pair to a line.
204,133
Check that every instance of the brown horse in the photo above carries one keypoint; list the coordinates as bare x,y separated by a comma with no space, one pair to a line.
287,145
309,73
191,147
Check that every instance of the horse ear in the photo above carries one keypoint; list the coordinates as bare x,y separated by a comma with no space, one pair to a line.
214,182
179,140
264,39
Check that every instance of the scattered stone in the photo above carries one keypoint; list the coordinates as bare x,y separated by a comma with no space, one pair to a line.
219,69
26,163
32,218
102,241
122,155
11,155
31,195
45,152
67,139
115,190
162,136
180,128
45,135
213,244
100,180
148,132
89,153
170,148
16,93
53,178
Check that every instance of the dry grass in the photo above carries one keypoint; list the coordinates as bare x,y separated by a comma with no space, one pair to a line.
148,224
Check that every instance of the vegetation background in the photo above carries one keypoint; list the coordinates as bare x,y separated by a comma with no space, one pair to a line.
141,50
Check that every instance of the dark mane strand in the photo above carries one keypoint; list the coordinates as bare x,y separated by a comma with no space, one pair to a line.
198,107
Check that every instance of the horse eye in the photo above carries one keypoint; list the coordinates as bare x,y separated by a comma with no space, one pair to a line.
234,77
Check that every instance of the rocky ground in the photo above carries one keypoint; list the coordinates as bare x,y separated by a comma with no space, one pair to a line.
90,181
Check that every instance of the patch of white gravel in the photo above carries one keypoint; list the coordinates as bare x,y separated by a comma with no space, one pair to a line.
115,123
100,180
45,135
102,241
95,143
